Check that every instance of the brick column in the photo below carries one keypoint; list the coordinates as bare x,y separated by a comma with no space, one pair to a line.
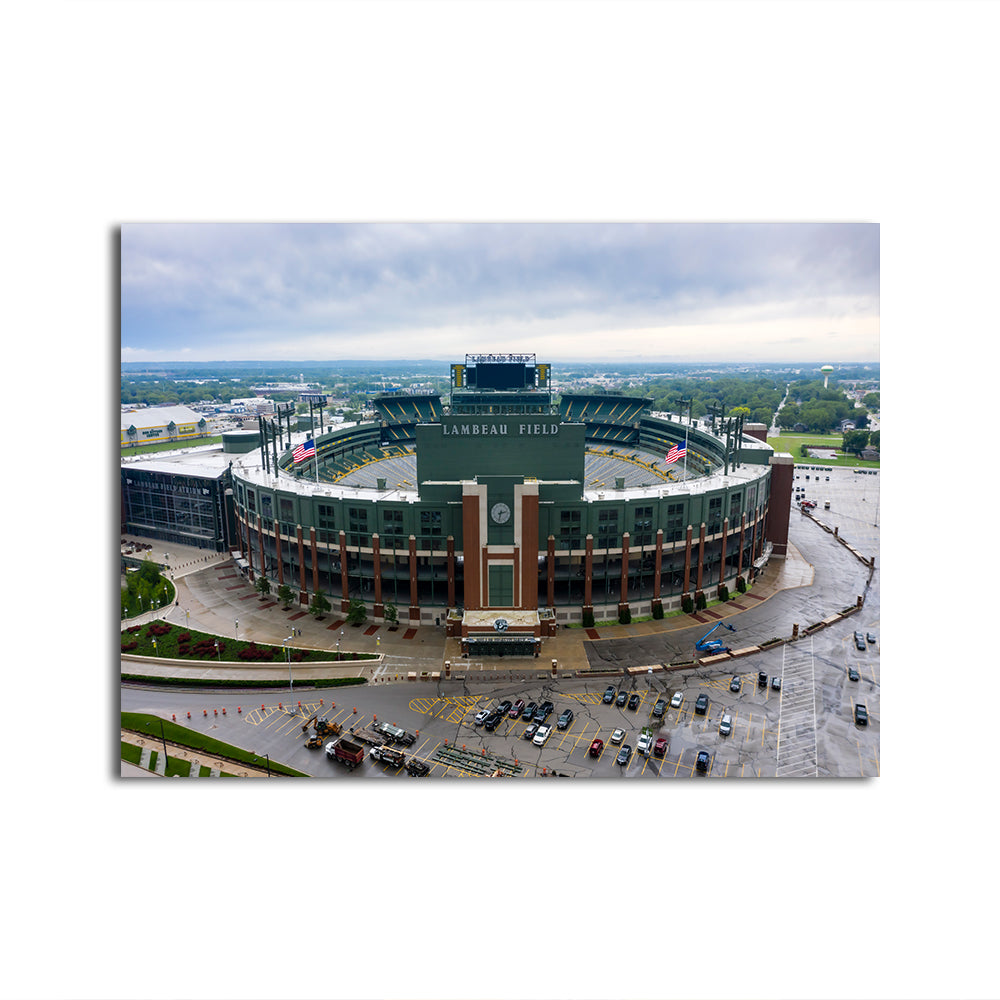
780,503
687,562
701,554
471,549
658,566
260,547
722,564
739,558
302,565
588,574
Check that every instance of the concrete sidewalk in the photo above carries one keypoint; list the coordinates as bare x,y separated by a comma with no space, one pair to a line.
212,596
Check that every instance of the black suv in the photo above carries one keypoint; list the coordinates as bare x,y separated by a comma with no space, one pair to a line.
701,705
703,760
493,720
861,715
565,719
417,768
544,711
529,712
609,695
633,702
504,707
659,708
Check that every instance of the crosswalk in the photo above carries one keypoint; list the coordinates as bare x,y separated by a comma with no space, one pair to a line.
797,747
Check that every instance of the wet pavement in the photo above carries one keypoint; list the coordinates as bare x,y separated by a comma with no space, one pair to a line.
806,729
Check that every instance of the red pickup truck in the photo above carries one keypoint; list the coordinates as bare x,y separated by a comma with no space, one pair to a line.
596,747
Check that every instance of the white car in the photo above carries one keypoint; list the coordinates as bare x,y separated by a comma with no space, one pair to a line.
542,735
481,716
618,735
645,742
726,725
677,700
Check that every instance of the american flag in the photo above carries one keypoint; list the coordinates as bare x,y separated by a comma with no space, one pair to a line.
678,451
304,451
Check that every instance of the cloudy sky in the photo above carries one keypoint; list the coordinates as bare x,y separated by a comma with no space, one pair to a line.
740,292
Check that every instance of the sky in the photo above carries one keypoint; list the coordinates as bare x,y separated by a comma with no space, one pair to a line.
743,292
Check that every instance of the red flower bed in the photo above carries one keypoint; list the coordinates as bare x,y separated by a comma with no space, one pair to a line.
127,647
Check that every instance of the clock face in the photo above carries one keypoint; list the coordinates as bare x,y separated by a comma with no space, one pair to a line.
500,624
500,513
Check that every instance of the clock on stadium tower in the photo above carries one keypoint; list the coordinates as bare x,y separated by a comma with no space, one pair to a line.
500,513
500,624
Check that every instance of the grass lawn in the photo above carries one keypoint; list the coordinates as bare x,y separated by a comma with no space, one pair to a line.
146,449
179,643
793,442
150,725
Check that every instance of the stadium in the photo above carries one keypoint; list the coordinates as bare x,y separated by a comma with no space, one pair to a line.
502,514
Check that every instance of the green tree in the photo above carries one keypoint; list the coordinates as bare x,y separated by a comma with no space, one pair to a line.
263,586
854,442
390,613
286,595
319,605
357,613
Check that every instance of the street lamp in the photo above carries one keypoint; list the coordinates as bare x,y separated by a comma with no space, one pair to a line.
288,659
268,761
237,629
339,637
217,653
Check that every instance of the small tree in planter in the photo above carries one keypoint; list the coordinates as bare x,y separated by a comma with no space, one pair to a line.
588,618
263,586
723,592
285,595
391,615
657,610
741,585
687,605
357,613
319,606
699,600
624,615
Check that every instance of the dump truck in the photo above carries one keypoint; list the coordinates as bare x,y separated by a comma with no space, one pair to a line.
346,751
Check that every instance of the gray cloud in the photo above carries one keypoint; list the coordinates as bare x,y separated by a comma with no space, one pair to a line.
327,291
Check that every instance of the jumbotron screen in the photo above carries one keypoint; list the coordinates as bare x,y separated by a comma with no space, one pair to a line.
486,375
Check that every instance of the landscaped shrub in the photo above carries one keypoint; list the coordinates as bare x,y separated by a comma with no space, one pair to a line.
588,618
687,605
699,600
723,592
129,646
625,615
657,610
741,585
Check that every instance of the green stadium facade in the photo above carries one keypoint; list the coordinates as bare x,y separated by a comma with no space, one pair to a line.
501,513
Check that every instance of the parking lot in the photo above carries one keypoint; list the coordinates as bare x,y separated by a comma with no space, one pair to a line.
805,729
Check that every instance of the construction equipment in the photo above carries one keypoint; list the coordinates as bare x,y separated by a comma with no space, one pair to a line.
706,645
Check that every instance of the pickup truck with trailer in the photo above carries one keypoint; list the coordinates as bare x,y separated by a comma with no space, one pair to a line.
645,742
369,734
346,752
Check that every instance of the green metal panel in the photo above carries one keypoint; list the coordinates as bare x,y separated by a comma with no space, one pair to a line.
501,582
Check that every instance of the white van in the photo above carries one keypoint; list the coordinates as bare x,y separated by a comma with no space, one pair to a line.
726,725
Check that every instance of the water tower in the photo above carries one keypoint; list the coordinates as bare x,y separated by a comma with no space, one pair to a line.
827,371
